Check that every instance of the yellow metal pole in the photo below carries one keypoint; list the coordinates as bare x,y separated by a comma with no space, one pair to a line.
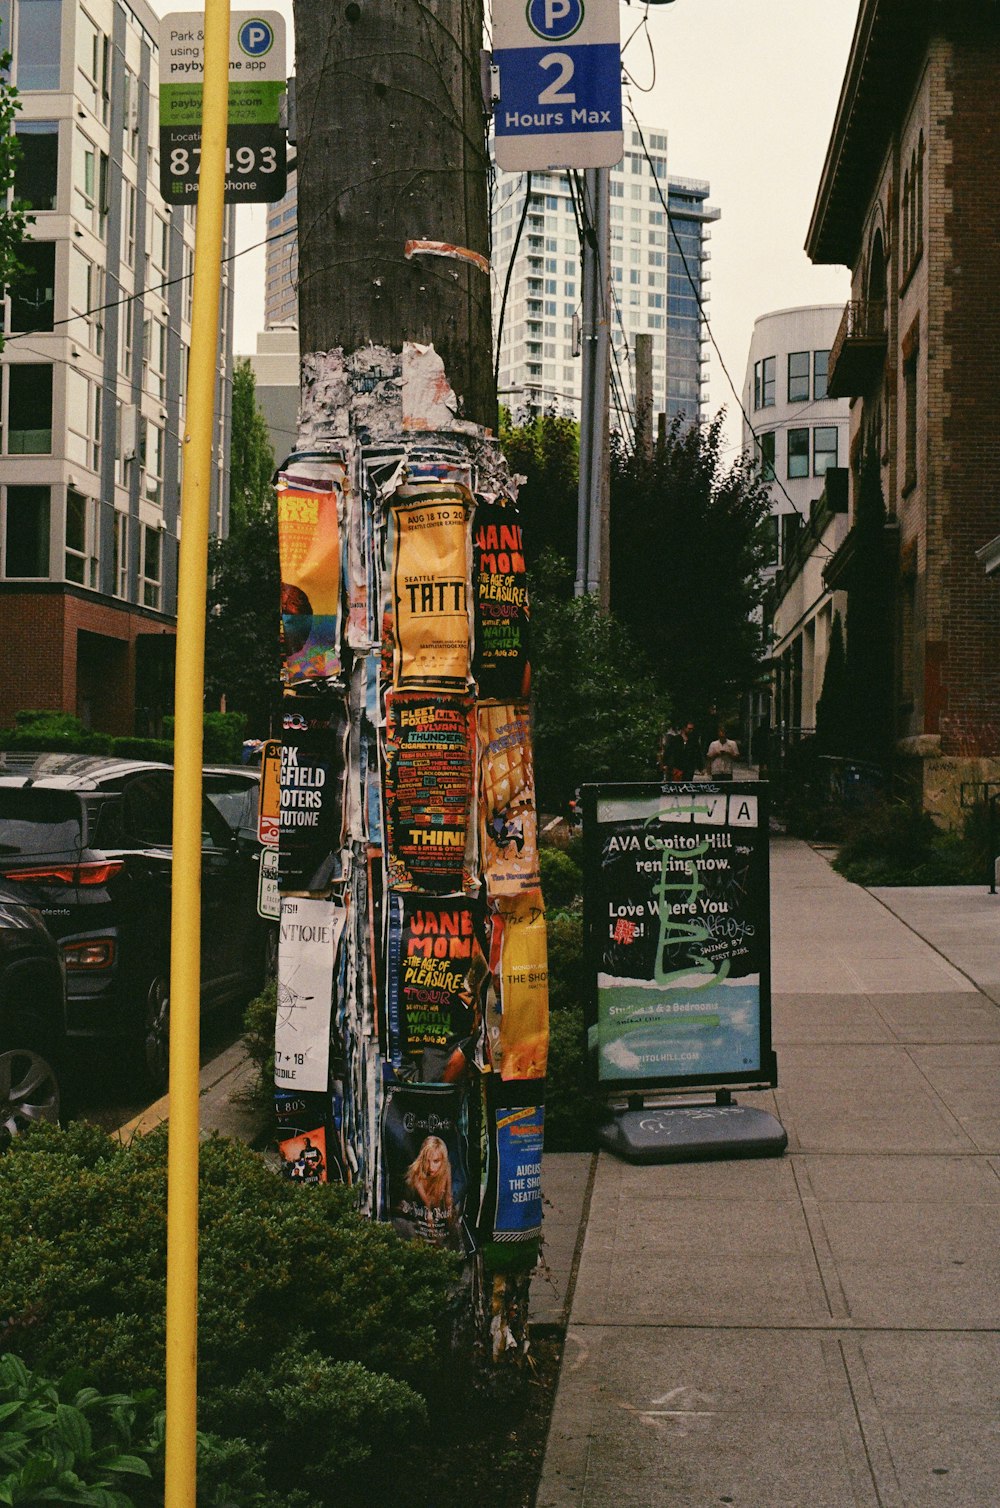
185,934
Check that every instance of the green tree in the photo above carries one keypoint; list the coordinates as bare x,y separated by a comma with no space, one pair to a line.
546,451
241,639
14,218
251,461
597,710
833,707
688,551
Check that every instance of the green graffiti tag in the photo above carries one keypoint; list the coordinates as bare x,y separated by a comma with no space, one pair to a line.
676,901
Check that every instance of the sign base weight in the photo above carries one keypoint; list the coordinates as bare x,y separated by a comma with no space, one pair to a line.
707,1130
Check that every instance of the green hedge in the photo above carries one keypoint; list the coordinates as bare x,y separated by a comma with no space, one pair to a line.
305,1308
61,733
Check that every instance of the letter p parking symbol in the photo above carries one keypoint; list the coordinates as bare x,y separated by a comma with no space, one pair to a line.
554,20
256,37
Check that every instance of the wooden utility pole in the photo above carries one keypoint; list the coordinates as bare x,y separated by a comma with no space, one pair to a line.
398,405
391,150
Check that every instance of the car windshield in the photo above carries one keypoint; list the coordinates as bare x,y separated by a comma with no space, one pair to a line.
35,821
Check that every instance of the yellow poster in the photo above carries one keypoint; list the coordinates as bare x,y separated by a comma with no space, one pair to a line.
309,542
508,824
520,1047
431,550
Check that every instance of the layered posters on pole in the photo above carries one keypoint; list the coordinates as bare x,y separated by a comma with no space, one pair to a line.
310,544
429,787
424,1168
313,785
676,912
427,622
502,612
508,824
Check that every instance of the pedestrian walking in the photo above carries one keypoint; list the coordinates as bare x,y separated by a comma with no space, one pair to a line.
722,754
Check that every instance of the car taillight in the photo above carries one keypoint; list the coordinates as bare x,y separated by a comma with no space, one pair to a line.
95,953
97,872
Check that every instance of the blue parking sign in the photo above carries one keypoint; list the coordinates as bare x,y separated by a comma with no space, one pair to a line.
559,66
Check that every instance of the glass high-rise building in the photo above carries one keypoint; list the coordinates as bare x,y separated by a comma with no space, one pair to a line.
660,233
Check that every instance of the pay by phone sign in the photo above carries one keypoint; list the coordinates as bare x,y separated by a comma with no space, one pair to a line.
559,66
255,140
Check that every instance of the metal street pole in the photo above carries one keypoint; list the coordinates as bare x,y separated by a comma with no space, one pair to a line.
185,930
592,571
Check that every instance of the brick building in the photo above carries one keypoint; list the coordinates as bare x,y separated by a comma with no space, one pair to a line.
908,201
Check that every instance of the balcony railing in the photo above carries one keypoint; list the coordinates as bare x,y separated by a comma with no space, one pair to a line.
857,355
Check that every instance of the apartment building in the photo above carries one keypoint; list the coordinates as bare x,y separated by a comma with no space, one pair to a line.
660,234
93,373
905,201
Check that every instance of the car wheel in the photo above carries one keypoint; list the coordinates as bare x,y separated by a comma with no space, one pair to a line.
156,1033
29,1092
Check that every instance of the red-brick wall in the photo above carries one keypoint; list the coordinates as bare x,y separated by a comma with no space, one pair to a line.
968,655
39,632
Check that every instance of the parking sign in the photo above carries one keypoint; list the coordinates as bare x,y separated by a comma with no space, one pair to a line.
559,65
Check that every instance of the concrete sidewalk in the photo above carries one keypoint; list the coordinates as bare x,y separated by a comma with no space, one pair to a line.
818,1331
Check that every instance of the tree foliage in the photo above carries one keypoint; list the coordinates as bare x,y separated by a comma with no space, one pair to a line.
688,551
14,219
546,451
241,639
597,710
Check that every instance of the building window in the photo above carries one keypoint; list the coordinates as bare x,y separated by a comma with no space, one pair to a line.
798,376
824,448
121,555
791,523
26,539
150,580
763,380
910,420
86,298
798,452
821,362
81,538
29,410
37,171
32,295
152,460
769,535
83,420
766,443
129,201
37,51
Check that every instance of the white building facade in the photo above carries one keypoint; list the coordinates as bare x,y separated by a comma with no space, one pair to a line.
660,234
796,427
94,370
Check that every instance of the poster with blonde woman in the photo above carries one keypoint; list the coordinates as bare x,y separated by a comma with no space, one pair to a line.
424,1178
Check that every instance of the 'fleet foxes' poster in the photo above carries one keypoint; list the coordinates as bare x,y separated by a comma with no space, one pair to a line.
677,933
429,778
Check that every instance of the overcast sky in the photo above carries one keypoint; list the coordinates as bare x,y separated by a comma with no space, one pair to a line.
747,91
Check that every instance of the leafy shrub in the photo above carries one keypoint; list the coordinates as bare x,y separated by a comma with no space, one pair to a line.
66,1443
222,735
258,1038
53,732
896,843
562,878
82,1272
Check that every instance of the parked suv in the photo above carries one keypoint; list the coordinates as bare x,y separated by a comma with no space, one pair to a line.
32,1017
87,839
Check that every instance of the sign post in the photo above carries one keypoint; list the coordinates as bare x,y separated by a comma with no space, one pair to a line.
677,927
256,170
559,66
